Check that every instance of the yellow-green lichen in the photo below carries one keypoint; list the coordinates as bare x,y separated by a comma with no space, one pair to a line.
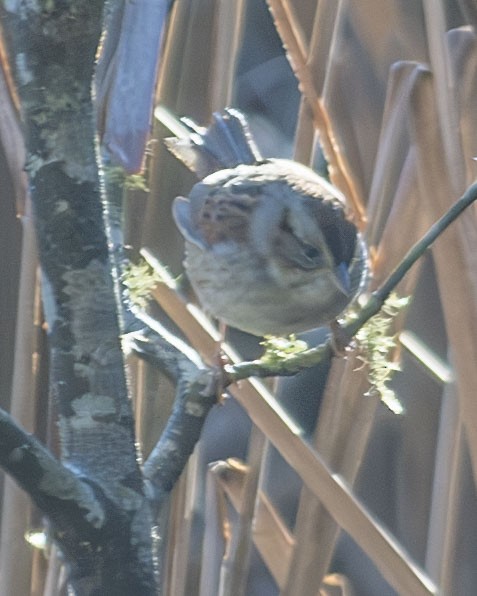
279,348
117,176
377,347
140,279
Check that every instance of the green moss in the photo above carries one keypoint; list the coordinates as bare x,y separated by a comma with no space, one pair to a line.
140,279
117,176
377,347
279,348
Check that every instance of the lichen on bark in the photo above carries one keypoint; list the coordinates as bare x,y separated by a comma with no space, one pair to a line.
52,47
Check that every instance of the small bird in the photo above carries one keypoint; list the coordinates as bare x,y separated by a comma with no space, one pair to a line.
269,247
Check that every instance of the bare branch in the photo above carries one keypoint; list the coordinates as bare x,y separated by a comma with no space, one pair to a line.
196,393
195,397
53,487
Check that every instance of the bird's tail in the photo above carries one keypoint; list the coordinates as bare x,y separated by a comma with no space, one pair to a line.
225,143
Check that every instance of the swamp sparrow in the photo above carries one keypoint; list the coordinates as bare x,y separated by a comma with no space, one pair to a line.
269,247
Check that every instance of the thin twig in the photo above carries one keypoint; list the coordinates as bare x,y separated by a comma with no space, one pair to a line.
378,297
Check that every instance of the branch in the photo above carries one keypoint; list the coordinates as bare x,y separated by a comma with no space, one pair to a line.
85,522
379,296
195,397
54,488
196,394
158,346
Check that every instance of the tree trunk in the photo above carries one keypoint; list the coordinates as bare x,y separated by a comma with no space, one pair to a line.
52,46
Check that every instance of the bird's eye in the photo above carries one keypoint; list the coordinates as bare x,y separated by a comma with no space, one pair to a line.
311,252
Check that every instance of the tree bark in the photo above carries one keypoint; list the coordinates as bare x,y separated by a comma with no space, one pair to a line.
52,46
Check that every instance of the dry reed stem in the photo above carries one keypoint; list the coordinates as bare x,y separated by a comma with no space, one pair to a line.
446,494
341,437
55,580
335,495
399,214
184,505
228,29
452,445
304,134
293,42
462,45
391,155
271,537
15,553
446,94
454,256
235,567
322,36
10,131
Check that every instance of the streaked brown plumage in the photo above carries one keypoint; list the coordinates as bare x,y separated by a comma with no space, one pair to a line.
269,248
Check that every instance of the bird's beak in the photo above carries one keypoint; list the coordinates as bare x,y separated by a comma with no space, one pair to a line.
342,278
